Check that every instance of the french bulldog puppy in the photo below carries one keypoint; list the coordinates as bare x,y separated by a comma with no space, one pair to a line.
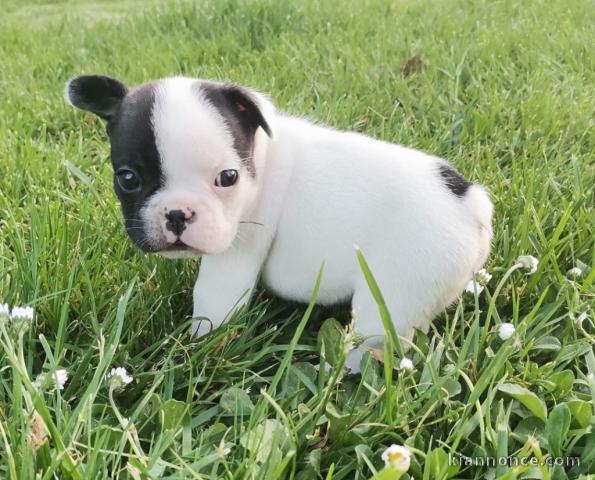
214,170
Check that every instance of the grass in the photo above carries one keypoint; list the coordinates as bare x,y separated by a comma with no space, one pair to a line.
504,90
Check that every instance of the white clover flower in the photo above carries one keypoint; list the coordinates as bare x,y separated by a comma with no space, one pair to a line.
505,331
118,377
483,276
22,314
60,377
478,282
55,380
398,457
21,319
575,272
406,364
528,263
121,373
472,286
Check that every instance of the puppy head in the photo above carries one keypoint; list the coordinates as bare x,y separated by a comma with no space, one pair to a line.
183,152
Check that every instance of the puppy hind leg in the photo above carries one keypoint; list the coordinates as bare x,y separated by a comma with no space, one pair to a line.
369,324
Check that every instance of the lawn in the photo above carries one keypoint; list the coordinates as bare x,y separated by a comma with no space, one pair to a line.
504,90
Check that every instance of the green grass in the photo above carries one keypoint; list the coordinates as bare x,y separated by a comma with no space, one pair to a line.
506,95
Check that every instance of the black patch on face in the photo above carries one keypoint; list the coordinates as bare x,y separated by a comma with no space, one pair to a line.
453,180
133,148
241,114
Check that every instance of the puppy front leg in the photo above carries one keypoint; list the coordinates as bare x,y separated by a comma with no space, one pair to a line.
224,284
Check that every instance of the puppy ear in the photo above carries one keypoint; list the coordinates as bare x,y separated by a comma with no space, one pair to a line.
96,93
239,108
246,108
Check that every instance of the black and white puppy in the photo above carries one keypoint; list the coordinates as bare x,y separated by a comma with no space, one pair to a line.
213,169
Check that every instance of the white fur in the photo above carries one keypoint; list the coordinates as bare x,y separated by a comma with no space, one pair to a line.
318,192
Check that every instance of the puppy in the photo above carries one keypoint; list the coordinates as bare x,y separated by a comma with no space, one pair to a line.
214,170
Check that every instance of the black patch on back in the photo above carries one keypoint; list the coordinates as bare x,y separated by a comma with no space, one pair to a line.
133,147
241,114
453,180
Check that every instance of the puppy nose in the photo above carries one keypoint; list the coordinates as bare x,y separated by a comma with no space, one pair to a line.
176,221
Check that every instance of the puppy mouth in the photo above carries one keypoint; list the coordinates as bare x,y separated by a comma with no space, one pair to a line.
178,247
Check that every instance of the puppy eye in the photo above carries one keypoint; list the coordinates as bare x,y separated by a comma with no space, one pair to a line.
128,180
226,178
